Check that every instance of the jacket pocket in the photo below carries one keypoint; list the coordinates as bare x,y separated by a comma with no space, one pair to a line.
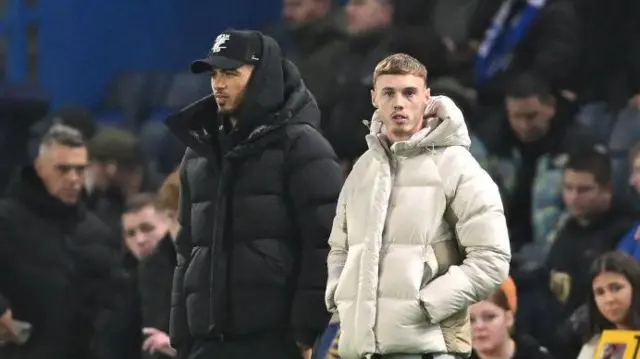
430,266
269,261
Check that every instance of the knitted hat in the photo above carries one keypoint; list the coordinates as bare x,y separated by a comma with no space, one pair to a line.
508,287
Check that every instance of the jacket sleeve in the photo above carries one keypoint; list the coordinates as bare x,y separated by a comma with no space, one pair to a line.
338,250
178,327
481,230
314,181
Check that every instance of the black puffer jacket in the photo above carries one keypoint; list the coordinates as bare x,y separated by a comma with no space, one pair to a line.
256,211
56,271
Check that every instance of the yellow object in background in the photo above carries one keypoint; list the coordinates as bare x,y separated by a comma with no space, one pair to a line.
618,344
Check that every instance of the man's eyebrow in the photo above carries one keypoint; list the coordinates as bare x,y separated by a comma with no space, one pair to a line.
412,88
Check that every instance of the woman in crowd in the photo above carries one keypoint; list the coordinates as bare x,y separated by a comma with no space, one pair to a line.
614,302
492,322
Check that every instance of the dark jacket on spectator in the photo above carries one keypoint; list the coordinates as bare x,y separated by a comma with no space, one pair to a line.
155,278
313,47
570,336
55,269
123,335
109,205
526,348
574,249
350,102
529,175
256,209
550,46
609,66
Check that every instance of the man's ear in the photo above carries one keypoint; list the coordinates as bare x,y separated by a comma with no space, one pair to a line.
37,164
111,168
373,98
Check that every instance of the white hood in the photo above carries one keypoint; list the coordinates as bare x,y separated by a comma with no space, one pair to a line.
444,126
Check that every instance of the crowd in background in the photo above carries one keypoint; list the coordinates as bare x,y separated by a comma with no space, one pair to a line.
550,90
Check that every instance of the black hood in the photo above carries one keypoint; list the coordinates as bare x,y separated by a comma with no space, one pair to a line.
27,187
275,95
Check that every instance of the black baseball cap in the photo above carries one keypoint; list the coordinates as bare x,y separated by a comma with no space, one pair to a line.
230,50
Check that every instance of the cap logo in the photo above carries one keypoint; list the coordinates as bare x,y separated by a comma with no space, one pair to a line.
219,43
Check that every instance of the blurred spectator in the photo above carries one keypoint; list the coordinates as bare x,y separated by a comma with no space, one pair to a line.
515,36
368,23
614,301
316,29
414,33
147,237
117,172
630,243
142,229
143,226
73,116
569,337
156,273
56,268
594,225
435,32
492,325
522,150
609,68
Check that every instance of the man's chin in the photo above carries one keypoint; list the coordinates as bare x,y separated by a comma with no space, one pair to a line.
225,111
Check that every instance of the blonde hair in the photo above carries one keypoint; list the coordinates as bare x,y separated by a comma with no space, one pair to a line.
169,193
400,64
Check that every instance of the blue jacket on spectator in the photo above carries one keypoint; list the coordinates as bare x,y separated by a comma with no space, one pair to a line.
629,244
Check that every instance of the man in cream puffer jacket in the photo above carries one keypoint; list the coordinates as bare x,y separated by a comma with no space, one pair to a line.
419,233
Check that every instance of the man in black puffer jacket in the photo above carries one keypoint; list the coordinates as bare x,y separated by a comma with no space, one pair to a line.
57,270
259,190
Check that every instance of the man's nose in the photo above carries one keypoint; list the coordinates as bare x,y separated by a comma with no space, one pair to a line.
398,102
140,238
74,177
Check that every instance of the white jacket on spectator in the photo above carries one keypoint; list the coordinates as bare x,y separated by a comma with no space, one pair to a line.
418,237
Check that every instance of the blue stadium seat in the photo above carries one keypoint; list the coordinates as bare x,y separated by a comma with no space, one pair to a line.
183,89
124,101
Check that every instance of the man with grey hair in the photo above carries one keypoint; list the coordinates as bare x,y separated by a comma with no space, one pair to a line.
55,266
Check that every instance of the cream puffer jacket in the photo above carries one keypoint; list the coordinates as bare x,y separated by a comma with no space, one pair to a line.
419,235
